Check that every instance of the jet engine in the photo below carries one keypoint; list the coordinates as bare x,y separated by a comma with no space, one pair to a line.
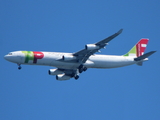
62,77
54,72
68,57
91,47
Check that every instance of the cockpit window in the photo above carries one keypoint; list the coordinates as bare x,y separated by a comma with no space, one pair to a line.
10,54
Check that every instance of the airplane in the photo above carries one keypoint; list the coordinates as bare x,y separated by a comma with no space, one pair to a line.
70,65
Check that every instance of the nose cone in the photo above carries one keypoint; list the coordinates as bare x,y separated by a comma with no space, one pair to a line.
15,57
7,57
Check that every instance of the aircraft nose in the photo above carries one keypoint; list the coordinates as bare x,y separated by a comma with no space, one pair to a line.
6,57
14,57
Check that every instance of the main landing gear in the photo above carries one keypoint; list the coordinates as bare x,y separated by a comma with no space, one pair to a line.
19,66
76,77
81,68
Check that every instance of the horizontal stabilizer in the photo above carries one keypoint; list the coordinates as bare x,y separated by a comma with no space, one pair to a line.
144,56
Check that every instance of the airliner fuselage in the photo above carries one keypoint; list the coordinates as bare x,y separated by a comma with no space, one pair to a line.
70,65
55,59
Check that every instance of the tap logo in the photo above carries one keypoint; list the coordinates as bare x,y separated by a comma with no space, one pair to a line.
32,55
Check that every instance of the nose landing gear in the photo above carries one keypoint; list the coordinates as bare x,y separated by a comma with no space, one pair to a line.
19,66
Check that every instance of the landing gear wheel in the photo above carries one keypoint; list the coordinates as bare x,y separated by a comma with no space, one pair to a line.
84,69
76,77
19,67
80,68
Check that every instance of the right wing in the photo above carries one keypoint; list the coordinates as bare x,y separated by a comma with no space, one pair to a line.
90,49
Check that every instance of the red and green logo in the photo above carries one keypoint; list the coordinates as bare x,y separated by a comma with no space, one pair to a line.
139,48
33,56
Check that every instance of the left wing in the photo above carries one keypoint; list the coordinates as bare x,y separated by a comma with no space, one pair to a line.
90,49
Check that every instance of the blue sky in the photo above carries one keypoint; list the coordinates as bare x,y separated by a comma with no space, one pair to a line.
128,93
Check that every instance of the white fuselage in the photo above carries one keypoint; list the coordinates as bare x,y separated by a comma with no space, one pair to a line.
55,59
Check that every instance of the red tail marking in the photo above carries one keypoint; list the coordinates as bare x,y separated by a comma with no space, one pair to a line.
140,48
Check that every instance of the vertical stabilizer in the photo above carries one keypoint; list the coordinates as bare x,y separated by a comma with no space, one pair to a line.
139,48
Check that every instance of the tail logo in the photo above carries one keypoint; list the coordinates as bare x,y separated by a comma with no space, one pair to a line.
141,46
138,49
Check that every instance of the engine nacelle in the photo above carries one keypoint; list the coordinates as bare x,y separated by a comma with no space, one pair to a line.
91,47
68,57
62,77
54,72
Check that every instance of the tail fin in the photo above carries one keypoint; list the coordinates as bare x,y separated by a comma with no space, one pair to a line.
138,49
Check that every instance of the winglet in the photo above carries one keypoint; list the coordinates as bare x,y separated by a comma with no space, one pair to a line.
106,40
120,31
144,56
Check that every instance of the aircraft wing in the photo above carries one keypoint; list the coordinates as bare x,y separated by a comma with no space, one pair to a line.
90,49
